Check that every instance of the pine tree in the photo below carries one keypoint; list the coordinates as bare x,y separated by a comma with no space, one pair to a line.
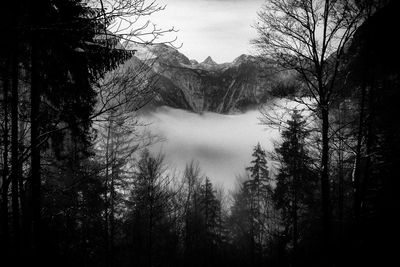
151,230
259,191
193,218
64,62
296,182
210,208
259,184
253,206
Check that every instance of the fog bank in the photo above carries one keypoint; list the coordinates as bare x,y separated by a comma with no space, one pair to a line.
222,144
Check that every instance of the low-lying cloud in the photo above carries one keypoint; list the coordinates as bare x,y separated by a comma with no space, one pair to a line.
222,144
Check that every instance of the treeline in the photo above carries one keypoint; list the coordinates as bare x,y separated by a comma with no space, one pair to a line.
53,57
338,188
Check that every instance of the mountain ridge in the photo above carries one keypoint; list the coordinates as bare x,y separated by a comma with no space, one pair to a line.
207,86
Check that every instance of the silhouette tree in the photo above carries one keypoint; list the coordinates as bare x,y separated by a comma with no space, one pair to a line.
58,51
310,37
252,210
151,204
296,182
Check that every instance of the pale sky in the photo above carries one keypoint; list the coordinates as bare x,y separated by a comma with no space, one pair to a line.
221,29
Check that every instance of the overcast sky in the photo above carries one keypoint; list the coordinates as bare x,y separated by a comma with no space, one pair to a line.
221,29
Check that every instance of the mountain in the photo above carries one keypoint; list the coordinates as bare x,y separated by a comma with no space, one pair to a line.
209,61
206,86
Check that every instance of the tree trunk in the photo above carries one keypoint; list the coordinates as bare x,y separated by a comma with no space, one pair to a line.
325,187
341,176
112,208
22,195
357,172
35,150
150,233
365,194
295,221
4,193
14,148
106,203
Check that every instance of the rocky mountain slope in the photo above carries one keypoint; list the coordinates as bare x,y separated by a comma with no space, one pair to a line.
206,86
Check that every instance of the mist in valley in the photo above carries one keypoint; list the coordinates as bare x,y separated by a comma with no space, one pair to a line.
221,144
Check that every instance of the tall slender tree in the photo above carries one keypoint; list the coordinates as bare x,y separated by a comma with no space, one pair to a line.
310,37
150,206
296,182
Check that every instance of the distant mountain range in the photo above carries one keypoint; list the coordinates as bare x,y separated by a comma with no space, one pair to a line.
206,86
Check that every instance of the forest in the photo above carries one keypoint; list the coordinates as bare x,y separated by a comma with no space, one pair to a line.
79,185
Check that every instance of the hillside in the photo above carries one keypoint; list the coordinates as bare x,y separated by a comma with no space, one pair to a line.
206,86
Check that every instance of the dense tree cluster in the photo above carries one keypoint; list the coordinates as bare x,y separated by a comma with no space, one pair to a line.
53,55
336,211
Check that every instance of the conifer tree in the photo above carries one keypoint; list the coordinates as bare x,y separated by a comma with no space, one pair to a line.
252,211
152,234
259,193
210,208
296,182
